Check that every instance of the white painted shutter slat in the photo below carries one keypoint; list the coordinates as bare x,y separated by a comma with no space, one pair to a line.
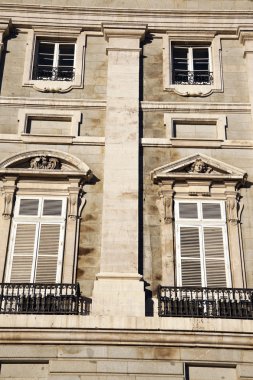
23,253
188,210
215,257
190,256
48,251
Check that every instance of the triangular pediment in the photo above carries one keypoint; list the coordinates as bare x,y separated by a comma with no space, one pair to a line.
198,166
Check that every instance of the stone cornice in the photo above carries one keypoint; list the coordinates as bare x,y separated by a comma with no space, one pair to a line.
142,331
52,102
195,107
157,19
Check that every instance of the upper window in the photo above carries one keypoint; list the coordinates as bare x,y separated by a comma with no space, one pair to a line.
37,236
54,61
191,65
201,244
54,65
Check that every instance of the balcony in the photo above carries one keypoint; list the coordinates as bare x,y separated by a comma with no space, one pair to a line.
54,73
229,303
196,77
43,299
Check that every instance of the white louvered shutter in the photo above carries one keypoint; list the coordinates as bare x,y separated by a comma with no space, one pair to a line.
23,251
201,244
37,240
190,259
49,248
214,253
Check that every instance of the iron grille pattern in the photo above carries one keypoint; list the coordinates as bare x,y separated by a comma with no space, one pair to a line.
192,77
54,73
43,299
205,302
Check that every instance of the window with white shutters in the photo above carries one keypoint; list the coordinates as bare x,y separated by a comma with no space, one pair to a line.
37,239
201,244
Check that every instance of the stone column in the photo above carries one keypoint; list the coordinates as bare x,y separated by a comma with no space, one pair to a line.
118,289
8,191
246,38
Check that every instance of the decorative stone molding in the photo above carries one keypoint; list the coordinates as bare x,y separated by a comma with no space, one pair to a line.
193,90
199,166
219,122
25,113
5,27
46,173
44,162
199,176
49,85
204,167
76,200
118,30
28,163
9,190
165,204
245,35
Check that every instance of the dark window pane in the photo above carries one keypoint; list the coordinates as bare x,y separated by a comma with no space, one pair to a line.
67,49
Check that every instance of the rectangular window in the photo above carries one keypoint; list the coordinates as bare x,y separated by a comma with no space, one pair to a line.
37,238
191,65
54,61
201,244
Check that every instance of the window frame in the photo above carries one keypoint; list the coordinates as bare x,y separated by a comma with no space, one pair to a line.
220,121
190,61
192,39
37,220
65,180
56,56
200,222
34,36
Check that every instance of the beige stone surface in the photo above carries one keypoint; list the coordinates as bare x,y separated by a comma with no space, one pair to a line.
124,242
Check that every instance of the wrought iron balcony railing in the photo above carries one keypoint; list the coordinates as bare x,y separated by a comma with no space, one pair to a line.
192,77
205,302
43,299
54,73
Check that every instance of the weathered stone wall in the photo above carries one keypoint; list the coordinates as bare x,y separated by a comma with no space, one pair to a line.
95,74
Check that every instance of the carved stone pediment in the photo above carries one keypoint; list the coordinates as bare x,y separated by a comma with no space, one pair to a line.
198,166
44,162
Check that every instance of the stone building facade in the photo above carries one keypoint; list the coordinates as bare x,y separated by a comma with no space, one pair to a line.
126,140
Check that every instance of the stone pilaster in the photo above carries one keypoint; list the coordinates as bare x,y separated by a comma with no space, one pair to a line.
75,205
165,207
8,191
118,289
246,38
233,225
